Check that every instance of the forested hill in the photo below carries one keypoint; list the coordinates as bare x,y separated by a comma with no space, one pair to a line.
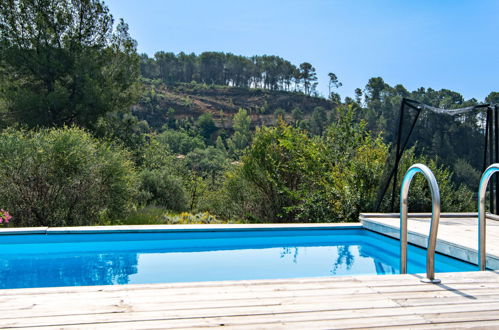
161,103
177,89
182,86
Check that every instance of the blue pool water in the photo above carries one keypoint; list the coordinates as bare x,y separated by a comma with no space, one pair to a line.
123,258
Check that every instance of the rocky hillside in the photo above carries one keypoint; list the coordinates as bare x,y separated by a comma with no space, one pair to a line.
160,103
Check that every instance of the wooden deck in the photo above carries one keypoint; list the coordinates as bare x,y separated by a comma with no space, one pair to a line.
463,300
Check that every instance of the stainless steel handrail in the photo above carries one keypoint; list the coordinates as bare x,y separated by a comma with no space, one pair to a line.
482,188
435,218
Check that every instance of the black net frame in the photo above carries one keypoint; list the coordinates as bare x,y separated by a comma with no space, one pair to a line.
404,133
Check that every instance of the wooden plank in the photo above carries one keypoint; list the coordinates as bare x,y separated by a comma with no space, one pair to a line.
227,297
340,302
347,280
43,303
123,305
402,322
307,324
476,324
243,315
450,280
131,304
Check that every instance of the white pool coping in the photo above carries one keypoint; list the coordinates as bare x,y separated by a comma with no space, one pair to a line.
457,233
175,228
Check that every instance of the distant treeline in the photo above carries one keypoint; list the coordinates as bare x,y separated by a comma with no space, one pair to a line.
269,72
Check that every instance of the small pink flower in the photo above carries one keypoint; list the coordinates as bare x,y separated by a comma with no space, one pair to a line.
4,216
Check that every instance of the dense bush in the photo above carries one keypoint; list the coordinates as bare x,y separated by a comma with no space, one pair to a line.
63,177
161,188
279,168
180,142
352,167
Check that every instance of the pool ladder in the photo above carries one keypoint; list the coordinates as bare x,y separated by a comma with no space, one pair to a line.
435,218
482,188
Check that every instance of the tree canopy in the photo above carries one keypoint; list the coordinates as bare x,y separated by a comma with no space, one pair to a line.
266,71
63,63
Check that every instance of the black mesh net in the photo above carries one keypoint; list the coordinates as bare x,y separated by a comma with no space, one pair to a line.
453,136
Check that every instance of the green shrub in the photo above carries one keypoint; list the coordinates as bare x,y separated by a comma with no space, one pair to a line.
152,215
149,215
278,170
185,218
180,142
160,188
63,177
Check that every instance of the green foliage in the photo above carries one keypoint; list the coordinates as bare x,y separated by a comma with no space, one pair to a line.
186,218
453,198
493,97
149,215
206,126
333,82
155,155
152,215
63,177
125,129
308,75
207,163
218,68
281,161
241,122
437,135
297,115
352,166
318,121
180,142
159,187
357,162
286,175
63,63
242,134
280,113
466,175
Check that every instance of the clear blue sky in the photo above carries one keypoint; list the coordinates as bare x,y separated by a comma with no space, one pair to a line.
440,44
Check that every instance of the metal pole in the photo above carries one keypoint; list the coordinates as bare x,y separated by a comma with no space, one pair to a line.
486,141
491,157
397,154
435,218
395,167
496,159
482,192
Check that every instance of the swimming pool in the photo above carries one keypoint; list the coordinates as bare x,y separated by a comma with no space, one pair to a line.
77,259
